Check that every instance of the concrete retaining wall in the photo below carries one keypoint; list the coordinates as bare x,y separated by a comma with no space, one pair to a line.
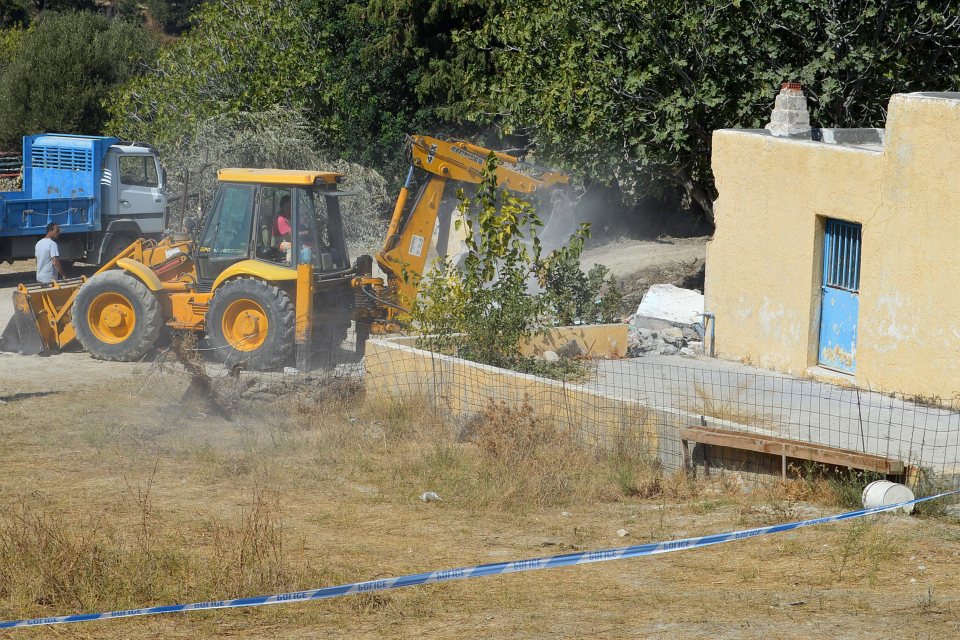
395,367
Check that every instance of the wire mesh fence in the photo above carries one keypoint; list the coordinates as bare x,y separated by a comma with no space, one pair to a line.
791,424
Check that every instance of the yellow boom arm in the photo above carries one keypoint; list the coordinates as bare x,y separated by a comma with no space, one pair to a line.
404,254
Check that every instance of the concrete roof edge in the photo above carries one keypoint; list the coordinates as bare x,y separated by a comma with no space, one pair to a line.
763,133
953,96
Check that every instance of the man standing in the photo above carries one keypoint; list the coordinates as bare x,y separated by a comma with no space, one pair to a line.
48,256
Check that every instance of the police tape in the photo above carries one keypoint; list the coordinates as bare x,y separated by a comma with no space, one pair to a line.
463,573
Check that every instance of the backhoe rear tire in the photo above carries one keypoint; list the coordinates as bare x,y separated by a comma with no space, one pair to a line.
251,322
116,317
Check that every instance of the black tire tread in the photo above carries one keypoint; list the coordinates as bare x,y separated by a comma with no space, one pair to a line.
117,244
278,348
120,281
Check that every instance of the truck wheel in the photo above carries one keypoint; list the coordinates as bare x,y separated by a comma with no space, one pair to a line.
116,317
117,244
251,322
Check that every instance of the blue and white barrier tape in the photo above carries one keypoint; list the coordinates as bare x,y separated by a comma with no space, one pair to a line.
463,573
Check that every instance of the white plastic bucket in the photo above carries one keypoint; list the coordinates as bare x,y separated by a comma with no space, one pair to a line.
881,493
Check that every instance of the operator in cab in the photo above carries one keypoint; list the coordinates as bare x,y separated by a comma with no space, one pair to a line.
282,228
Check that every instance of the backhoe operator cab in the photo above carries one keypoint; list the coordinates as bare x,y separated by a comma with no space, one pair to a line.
284,218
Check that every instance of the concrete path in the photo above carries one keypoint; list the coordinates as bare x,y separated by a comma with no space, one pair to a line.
789,407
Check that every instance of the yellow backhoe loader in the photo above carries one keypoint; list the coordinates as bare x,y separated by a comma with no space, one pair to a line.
267,278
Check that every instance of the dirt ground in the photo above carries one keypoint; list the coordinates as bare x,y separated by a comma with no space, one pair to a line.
638,264
115,492
118,494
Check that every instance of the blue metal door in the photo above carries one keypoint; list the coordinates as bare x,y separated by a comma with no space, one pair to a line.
840,306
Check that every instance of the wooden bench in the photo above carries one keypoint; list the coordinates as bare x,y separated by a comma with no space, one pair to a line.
762,443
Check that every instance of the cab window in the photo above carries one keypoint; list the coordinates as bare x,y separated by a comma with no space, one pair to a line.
228,233
139,171
273,226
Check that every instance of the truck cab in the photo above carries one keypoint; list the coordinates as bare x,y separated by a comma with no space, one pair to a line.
103,193
133,190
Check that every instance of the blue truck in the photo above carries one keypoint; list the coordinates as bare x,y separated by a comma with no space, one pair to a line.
103,192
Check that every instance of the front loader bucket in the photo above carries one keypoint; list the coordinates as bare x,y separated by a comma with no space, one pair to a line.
41,321
22,334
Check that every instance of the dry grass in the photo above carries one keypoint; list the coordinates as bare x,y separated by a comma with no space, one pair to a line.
88,560
137,502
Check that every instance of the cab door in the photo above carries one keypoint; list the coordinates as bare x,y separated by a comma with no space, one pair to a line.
227,236
140,192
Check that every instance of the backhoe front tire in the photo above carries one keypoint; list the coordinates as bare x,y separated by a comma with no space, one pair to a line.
251,322
116,317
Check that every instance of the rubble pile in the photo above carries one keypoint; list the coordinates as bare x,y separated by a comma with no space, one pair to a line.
669,341
667,323
571,350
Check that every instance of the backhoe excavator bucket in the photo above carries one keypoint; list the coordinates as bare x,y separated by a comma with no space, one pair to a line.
22,335
41,321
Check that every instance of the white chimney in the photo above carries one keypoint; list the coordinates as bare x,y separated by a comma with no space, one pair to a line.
790,118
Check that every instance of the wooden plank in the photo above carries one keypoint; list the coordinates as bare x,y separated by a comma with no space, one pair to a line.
786,448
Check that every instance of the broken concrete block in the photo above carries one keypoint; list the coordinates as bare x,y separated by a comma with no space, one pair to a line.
687,351
696,346
571,349
669,305
669,350
551,356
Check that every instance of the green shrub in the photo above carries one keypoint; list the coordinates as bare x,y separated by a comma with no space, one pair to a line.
506,290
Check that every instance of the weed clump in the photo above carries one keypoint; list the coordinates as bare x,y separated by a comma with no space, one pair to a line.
528,460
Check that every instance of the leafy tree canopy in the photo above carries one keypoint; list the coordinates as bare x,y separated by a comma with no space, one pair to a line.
62,71
630,92
354,67
13,13
626,93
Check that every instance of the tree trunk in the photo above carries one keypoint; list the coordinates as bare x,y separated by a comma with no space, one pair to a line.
697,192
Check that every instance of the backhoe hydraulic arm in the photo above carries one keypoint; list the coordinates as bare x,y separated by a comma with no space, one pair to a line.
404,254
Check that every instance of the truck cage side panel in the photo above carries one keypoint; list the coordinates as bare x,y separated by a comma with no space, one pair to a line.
62,175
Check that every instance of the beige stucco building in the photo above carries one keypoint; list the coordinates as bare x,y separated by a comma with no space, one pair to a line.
838,249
